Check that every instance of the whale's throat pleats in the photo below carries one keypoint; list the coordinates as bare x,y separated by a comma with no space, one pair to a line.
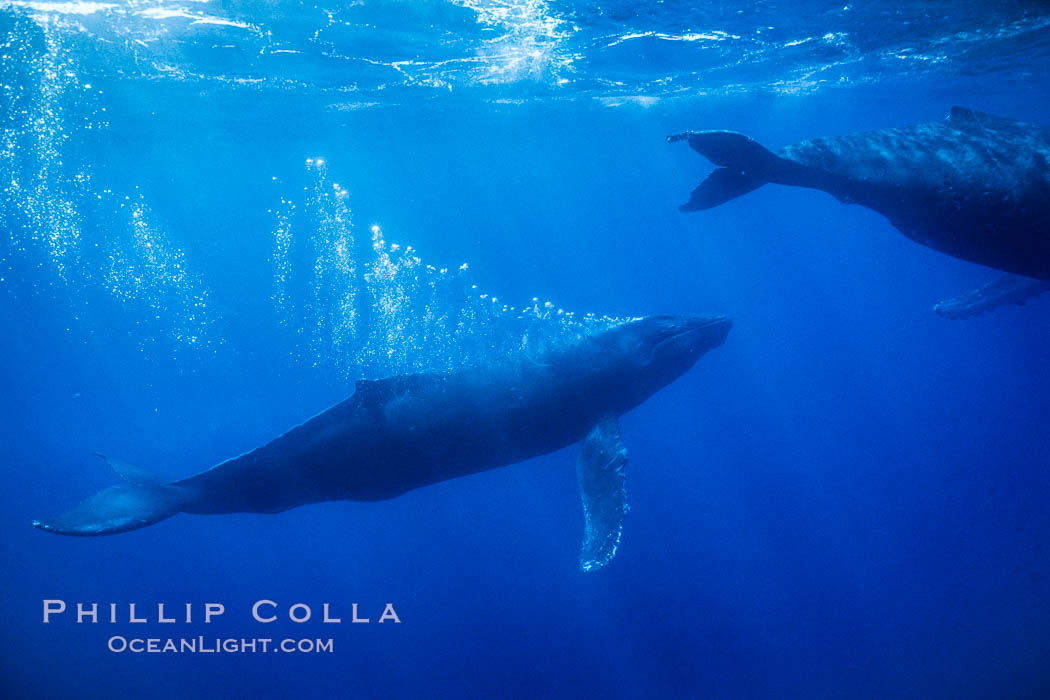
600,472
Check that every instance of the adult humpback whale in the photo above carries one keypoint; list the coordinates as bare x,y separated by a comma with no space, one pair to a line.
974,186
408,431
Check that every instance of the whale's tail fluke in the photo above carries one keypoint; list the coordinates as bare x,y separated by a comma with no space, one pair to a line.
744,165
142,500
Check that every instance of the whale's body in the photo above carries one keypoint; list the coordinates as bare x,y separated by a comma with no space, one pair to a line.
975,186
404,432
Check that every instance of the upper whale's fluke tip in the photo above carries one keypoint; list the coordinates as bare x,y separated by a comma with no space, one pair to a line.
729,149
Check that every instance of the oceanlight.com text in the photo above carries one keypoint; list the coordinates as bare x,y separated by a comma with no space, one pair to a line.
217,645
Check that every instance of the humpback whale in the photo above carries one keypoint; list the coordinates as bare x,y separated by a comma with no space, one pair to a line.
400,433
975,186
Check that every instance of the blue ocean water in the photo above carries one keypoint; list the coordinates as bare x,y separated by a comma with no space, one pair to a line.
216,216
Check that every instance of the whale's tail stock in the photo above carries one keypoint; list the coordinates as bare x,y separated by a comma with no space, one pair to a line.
743,165
143,499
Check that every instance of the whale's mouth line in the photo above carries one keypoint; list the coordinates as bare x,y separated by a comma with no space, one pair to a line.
708,323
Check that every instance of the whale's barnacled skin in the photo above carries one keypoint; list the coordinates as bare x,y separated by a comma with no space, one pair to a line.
404,432
975,186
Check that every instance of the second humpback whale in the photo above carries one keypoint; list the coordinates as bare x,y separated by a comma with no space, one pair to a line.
975,186
403,432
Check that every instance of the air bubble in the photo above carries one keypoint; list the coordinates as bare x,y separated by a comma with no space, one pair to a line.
367,311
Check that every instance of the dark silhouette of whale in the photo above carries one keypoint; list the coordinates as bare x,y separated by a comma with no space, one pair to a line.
400,433
974,186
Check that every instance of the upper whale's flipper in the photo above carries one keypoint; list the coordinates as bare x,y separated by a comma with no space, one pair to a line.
143,500
1008,289
600,472
744,165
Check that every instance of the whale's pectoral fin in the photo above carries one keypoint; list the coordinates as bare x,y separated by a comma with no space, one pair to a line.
1008,289
143,500
600,472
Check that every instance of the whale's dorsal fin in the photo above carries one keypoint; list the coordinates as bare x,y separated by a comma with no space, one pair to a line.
959,114
963,118
368,390
600,472
1008,289
379,390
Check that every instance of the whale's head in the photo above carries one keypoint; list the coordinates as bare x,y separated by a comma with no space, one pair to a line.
671,344
646,354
